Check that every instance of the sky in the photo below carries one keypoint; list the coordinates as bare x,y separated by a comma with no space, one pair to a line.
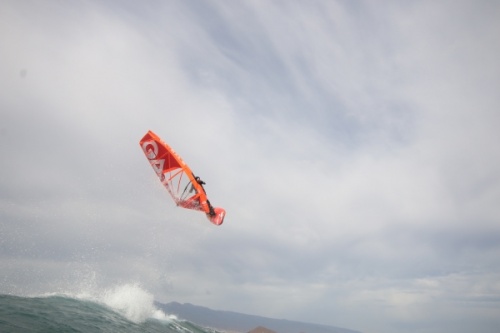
353,144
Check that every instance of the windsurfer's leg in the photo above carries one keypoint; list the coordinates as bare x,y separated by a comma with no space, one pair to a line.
211,209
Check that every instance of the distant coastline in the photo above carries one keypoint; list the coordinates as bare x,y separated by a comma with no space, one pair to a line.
234,322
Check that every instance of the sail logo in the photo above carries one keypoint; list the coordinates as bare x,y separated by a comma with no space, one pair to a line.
150,149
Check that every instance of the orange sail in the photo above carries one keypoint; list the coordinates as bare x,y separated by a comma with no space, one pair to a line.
185,188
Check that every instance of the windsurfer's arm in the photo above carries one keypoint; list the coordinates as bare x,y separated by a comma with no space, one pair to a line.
199,181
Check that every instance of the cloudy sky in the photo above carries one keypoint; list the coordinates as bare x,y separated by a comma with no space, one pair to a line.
354,145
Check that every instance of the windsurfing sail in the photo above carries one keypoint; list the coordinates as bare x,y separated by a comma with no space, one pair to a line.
185,188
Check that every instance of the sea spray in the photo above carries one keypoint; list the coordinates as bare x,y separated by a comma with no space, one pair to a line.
129,300
133,302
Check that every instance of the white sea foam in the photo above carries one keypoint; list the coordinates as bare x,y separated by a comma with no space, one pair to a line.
133,302
130,300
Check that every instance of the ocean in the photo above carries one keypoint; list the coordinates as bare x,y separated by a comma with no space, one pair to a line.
125,309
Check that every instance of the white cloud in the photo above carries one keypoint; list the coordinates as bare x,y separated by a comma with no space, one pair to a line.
353,146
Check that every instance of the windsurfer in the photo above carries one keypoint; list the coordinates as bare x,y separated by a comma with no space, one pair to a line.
211,211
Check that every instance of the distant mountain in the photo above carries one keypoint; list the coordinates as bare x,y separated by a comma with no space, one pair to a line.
261,329
237,322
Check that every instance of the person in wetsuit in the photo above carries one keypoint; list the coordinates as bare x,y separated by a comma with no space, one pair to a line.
210,207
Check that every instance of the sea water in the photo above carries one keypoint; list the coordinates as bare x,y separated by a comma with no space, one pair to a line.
126,308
